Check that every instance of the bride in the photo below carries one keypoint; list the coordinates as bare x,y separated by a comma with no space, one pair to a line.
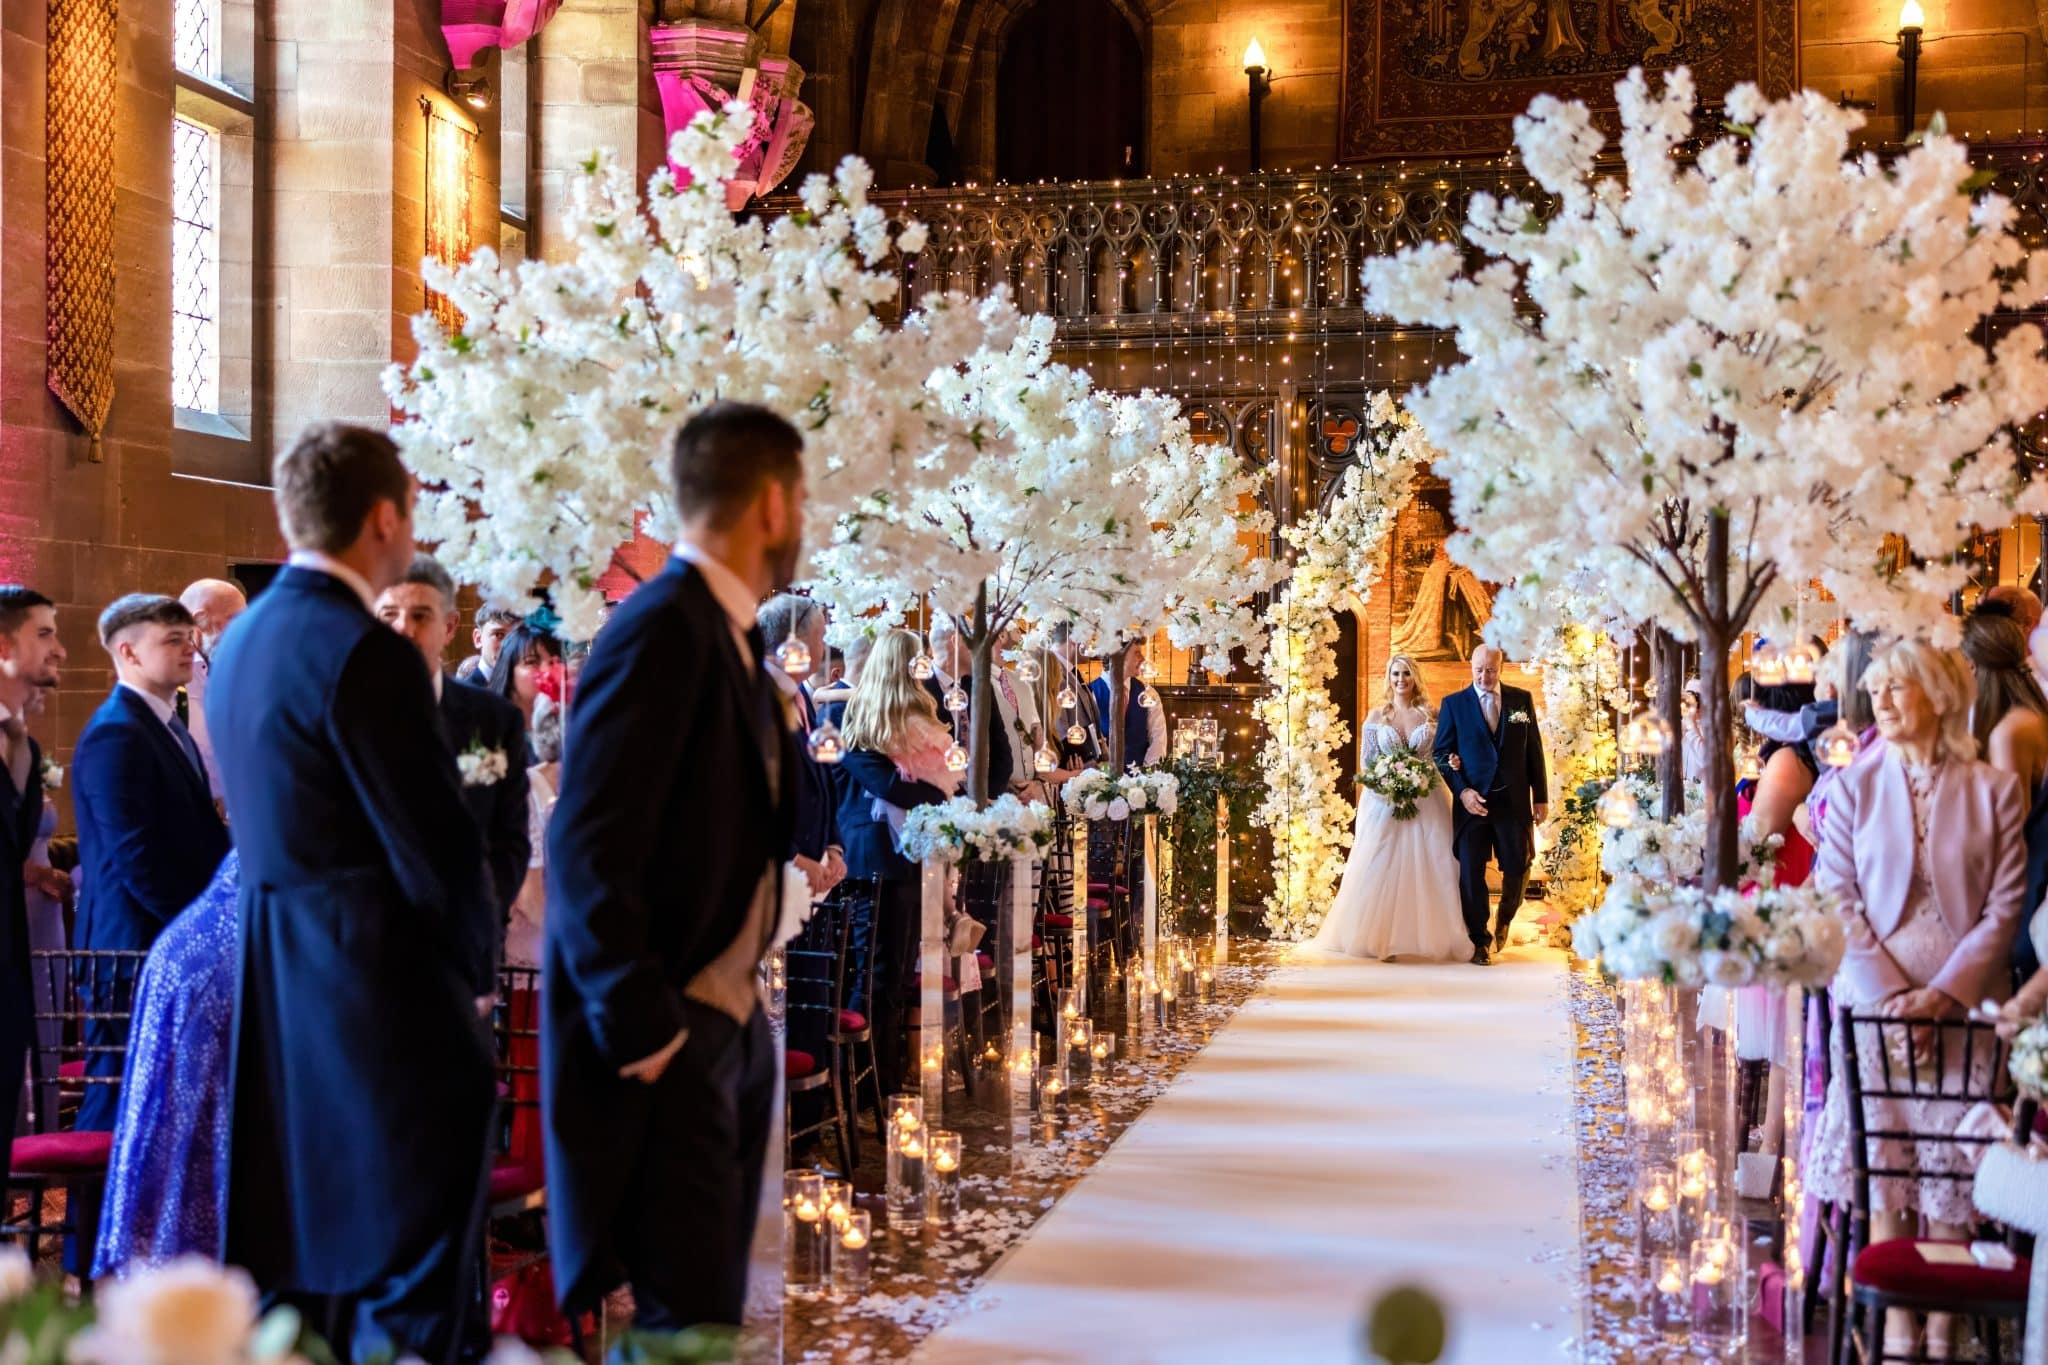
1399,898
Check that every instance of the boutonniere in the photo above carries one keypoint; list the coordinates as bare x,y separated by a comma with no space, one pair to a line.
1518,717
481,767
53,775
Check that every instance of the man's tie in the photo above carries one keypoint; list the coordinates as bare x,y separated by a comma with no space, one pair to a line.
1490,703
184,738
181,707
15,731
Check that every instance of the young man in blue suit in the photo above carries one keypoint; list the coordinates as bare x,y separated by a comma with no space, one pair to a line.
421,607
1491,754
149,835
663,868
31,660
363,1074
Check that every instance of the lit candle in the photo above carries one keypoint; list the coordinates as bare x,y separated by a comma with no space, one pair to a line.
1669,1282
1657,1200
913,1150
946,1163
806,1211
854,1237
1709,1272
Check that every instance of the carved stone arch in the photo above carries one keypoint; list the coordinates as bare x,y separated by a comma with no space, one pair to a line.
984,37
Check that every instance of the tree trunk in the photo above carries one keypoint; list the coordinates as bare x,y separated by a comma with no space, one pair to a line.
1670,666
1119,702
981,697
1717,708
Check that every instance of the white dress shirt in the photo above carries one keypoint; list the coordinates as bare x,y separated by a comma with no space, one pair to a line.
14,764
320,562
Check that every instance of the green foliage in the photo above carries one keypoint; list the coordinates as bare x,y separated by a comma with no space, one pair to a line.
37,1327
698,1344
1190,900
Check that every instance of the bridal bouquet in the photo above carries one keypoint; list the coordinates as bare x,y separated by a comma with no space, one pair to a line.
954,830
1401,778
2029,1064
1096,795
1682,935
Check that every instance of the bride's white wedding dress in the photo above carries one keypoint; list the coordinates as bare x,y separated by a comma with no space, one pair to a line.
1399,898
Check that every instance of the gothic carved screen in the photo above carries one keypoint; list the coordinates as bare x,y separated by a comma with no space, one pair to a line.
1446,77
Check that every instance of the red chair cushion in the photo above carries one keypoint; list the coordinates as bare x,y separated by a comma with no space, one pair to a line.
70,1071
852,1021
61,1153
515,1178
985,962
797,1065
1099,905
1897,1267
1055,920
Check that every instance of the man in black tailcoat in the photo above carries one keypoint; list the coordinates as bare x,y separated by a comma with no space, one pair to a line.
362,1075
664,853
31,659
1491,753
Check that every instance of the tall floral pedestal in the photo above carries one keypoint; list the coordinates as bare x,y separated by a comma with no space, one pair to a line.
1150,957
1077,909
1012,958
1222,879
2012,1187
933,967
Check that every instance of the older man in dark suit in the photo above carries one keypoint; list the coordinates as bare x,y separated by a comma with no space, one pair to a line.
149,836
1490,752
486,733
658,1070
362,1073
31,659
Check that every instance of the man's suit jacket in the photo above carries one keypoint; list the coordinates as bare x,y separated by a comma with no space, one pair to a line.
867,776
1978,876
472,718
1504,764
363,1080
1001,763
677,798
149,840
20,815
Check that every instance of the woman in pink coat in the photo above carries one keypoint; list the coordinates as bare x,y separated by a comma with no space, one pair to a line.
1923,842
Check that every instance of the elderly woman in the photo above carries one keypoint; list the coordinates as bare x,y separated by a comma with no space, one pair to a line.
1923,842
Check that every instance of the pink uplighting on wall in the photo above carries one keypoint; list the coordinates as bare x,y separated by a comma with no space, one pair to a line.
470,26
782,123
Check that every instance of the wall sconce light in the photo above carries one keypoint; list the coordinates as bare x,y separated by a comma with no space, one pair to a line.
472,90
1262,85
1912,19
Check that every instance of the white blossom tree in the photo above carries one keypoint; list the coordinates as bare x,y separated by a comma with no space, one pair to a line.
1715,382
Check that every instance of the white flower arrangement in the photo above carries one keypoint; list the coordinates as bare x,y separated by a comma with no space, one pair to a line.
2029,1062
1339,556
481,767
1095,795
1674,852
1401,778
1687,936
954,831
1518,716
53,775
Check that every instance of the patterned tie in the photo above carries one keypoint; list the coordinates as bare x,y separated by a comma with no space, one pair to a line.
1491,703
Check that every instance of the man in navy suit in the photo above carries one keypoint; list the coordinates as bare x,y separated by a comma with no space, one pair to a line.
1491,754
31,660
421,607
814,842
149,836
664,854
363,1076
1144,726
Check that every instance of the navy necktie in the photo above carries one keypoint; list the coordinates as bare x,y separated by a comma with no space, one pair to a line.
185,742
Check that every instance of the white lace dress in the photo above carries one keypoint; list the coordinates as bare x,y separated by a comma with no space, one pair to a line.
1399,897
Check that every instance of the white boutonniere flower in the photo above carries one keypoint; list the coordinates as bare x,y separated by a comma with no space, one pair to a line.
481,767
1518,717
53,775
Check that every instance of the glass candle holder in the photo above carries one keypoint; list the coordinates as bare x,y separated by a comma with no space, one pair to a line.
838,1200
906,1164
853,1253
942,1180
1080,1042
1716,1295
1052,1092
1670,1298
775,984
932,1058
1205,983
804,1227
1102,1058
1069,1004
1657,1216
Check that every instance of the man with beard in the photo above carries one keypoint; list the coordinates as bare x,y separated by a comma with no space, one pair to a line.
663,867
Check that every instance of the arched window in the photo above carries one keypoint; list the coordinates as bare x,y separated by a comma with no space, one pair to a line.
1070,95
213,184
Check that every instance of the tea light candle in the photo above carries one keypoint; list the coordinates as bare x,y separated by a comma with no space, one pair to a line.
942,1185
803,1196
853,1254
1052,1088
906,1164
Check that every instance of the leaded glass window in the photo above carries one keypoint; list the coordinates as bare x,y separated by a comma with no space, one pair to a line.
195,267
196,30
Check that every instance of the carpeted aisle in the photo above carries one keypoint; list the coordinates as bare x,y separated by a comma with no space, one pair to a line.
1356,1125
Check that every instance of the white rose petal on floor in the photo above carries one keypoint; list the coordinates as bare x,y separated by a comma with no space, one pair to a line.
1355,1126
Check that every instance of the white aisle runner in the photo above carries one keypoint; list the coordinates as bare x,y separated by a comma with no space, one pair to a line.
1356,1125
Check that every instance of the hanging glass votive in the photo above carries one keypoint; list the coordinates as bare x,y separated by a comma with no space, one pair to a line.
793,657
1076,735
1837,746
1645,735
1028,670
1148,699
956,698
923,666
956,759
825,744
1767,665
1147,670
1801,661
1617,808
1749,765
1046,759
1066,699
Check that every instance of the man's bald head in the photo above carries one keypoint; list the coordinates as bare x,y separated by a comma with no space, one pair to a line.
1486,662
213,602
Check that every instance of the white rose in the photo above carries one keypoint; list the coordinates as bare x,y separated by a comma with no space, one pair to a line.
17,1275
1688,972
187,1312
1784,947
1675,937
1727,969
1096,808
1119,809
1136,794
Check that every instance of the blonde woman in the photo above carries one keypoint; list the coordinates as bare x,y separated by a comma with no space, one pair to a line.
1923,842
1399,897
889,721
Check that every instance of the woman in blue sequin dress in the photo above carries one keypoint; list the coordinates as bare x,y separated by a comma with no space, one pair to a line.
167,1179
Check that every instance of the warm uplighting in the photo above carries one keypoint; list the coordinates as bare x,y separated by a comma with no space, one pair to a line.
474,91
1255,56
1911,19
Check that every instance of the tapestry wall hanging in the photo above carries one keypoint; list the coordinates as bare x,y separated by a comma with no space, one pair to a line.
1444,78
78,143
451,148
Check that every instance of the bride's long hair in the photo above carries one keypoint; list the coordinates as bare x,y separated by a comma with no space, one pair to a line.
1419,695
